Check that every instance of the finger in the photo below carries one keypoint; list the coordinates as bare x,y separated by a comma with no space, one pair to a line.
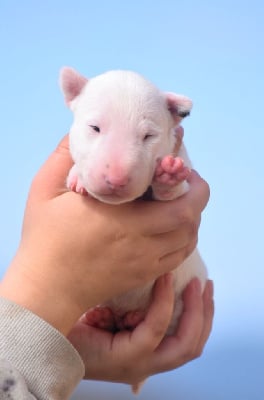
208,315
148,335
192,315
167,216
186,232
50,180
199,190
177,349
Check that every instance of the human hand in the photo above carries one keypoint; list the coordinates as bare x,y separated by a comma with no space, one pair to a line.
76,252
130,357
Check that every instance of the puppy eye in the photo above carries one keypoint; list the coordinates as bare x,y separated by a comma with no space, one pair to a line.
95,128
147,137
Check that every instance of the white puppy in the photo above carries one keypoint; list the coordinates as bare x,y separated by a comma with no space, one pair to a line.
123,140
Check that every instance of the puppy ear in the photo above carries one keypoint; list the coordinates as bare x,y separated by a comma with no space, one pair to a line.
179,106
71,83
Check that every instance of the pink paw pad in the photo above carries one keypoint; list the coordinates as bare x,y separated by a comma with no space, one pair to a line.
100,317
81,190
72,183
130,320
171,171
75,186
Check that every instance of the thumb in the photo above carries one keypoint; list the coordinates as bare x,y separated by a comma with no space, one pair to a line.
51,178
199,193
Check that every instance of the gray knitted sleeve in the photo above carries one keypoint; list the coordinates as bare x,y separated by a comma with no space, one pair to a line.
36,361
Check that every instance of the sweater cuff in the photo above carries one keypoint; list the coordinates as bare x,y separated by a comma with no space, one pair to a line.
50,365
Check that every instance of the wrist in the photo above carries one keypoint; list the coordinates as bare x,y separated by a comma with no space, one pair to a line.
41,296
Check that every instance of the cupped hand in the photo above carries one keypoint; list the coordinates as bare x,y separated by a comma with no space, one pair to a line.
130,357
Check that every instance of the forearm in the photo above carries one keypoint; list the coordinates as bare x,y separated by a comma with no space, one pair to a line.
42,360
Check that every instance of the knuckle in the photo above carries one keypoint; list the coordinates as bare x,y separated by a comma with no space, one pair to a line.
153,337
185,216
197,351
206,188
193,228
191,353
158,332
198,354
188,221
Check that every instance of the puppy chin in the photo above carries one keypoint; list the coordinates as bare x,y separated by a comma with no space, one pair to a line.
112,197
116,196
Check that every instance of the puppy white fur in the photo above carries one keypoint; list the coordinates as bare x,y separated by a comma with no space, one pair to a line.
123,126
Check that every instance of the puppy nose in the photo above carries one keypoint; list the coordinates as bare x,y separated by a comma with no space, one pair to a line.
116,181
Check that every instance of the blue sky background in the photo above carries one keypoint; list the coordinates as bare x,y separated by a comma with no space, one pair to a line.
210,51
